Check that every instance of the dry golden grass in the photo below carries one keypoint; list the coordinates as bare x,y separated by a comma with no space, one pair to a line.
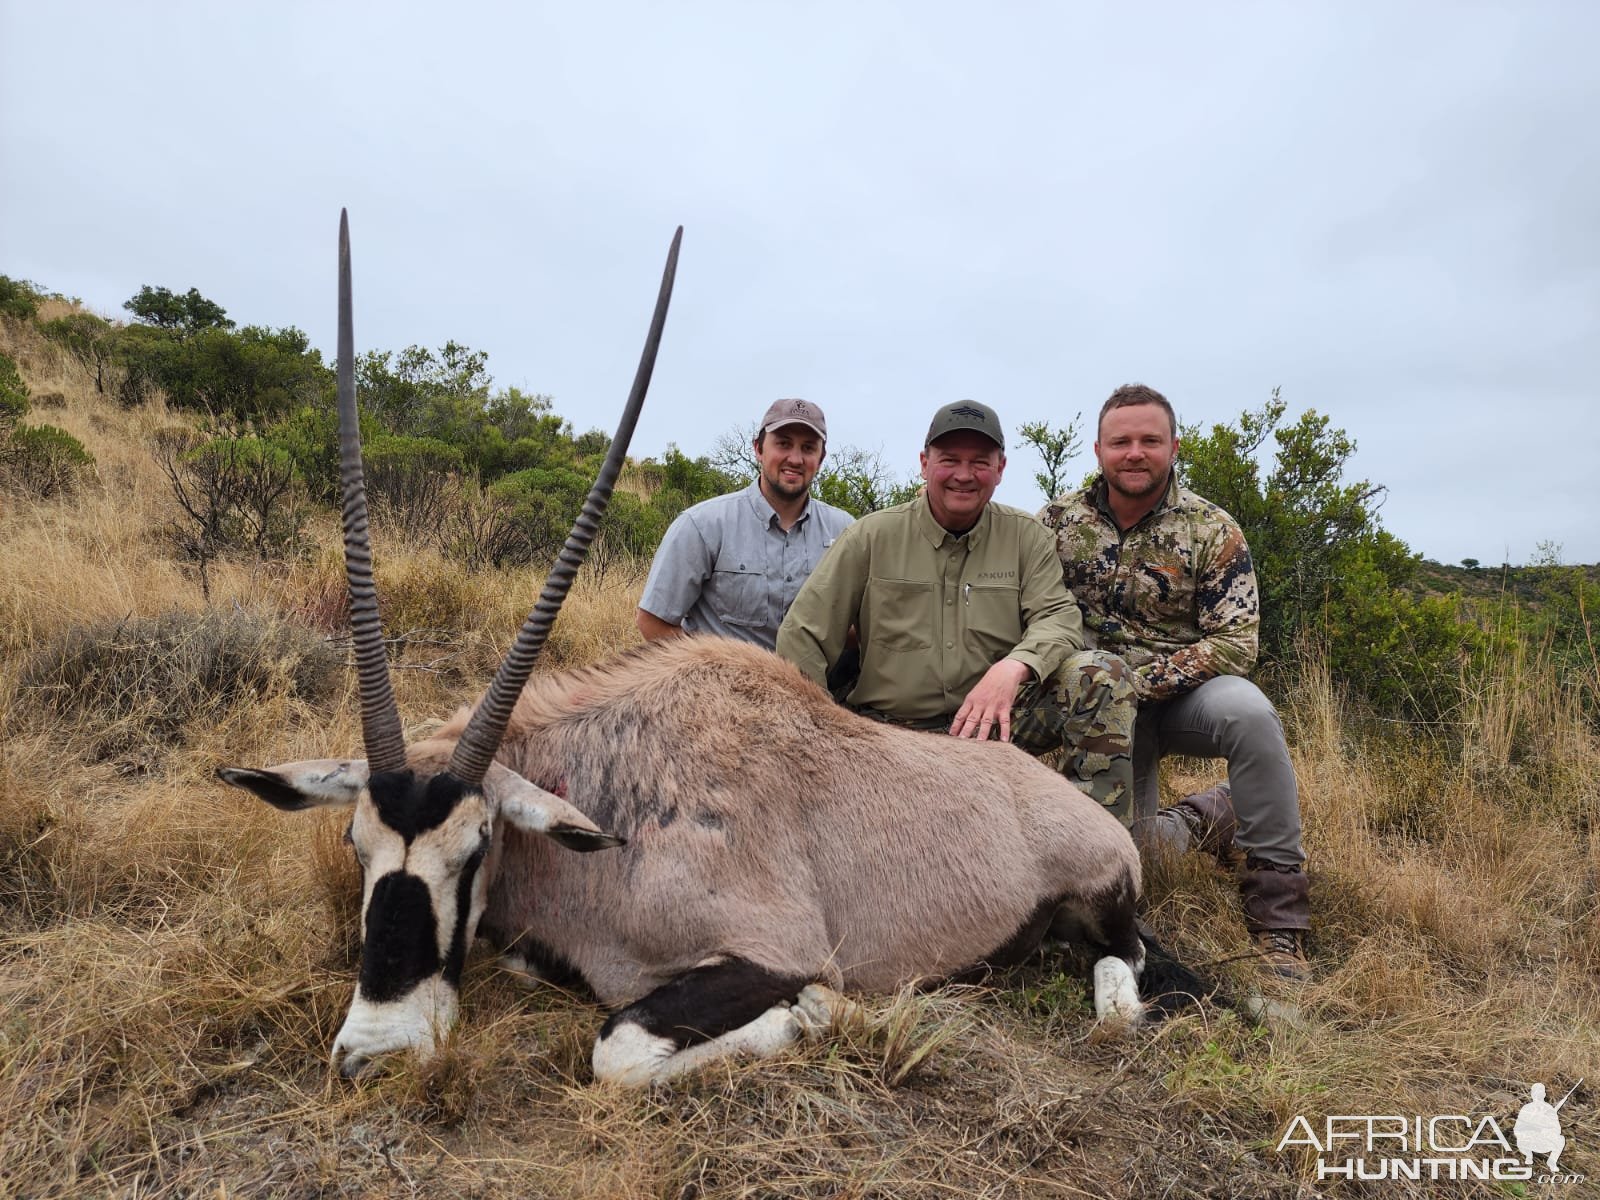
175,957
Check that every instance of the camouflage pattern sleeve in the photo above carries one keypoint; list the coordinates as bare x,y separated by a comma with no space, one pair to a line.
1052,626
1227,613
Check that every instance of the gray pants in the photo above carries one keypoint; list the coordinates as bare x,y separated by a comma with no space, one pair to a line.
1225,717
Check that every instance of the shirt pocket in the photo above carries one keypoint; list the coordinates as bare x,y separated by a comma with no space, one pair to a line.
738,597
994,617
899,614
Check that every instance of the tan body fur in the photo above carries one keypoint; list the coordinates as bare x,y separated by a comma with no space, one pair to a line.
767,823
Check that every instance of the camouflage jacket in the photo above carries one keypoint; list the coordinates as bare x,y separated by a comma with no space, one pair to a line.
1174,596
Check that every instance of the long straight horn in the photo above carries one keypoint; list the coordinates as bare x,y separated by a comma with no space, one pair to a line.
380,718
481,738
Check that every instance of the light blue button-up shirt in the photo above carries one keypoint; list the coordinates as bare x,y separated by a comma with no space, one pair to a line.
728,567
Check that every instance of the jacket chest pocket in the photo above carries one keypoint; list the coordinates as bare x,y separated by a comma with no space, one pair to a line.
898,614
994,616
738,597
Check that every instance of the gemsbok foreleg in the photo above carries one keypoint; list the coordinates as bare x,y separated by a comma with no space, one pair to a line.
714,1011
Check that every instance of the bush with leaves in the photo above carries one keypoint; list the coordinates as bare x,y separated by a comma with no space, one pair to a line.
256,374
18,298
235,492
44,461
35,460
1056,448
414,485
88,338
183,315
1325,567
13,396
860,482
543,502
629,533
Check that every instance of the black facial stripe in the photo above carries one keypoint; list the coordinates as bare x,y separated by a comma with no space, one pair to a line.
457,957
411,808
402,947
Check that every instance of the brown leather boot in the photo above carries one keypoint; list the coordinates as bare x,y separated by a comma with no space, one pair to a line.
1209,816
1277,914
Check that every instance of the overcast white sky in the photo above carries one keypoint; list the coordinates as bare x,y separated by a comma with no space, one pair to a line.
1392,211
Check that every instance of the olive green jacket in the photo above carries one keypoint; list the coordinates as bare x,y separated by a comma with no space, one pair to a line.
934,611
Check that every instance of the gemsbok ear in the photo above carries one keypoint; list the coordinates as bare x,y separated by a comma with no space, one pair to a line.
315,783
533,810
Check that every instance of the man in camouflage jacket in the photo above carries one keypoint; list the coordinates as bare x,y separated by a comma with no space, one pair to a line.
1164,580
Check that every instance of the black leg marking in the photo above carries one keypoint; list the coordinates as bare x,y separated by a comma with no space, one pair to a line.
1017,948
707,1002
1116,924
550,966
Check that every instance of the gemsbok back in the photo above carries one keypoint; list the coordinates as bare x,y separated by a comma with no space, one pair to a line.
691,829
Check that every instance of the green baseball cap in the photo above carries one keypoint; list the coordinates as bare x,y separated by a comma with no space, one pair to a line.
966,414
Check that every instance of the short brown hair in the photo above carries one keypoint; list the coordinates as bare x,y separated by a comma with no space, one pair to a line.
1130,394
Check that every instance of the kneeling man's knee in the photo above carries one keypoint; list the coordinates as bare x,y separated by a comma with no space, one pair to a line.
1096,673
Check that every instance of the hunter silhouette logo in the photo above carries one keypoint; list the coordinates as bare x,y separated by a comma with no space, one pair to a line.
1456,1146
1538,1128
966,410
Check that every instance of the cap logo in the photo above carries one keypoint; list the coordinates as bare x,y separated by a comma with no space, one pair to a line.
966,410
800,408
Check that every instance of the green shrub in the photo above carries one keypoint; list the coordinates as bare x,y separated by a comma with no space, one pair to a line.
18,298
137,687
88,339
235,492
13,396
413,484
44,461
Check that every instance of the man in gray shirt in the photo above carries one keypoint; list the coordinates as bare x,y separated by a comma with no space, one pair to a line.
731,565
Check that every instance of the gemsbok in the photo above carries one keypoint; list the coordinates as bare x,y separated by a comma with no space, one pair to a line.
691,829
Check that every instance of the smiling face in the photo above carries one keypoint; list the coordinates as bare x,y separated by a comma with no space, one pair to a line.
1135,449
962,469
789,458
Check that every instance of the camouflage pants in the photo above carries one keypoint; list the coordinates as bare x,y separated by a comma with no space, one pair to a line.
1087,710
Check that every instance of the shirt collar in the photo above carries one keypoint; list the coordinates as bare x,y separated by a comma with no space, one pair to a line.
1097,497
765,513
936,534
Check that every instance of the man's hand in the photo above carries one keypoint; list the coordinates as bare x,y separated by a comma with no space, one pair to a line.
989,702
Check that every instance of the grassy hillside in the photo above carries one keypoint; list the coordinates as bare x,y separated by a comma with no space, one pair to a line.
175,957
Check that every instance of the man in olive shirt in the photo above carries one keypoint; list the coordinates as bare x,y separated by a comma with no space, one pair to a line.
963,619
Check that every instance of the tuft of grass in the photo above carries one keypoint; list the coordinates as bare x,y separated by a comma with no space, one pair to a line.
135,687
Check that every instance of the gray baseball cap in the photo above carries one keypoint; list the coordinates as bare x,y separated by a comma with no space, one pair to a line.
966,414
795,412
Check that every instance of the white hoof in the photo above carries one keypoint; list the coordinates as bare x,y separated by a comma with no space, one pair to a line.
817,1008
1116,992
